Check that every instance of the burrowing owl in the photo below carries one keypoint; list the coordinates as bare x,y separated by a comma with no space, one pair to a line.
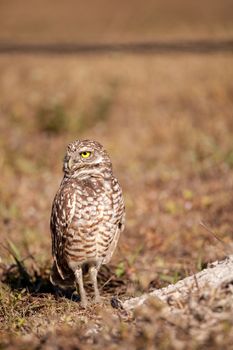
87,216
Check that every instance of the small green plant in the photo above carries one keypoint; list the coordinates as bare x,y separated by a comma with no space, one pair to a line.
120,269
170,278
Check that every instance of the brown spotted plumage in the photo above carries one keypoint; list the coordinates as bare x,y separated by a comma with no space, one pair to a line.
87,216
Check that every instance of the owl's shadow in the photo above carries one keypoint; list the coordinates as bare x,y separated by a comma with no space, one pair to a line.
27,274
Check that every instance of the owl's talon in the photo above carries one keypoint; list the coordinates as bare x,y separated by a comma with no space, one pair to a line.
97,299
84,303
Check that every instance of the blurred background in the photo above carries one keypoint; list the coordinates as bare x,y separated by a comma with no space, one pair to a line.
165,116
110,21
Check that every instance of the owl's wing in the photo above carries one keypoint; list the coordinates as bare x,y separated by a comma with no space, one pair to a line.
118,220
61,217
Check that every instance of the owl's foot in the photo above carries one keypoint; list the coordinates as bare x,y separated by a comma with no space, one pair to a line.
84,302
98,300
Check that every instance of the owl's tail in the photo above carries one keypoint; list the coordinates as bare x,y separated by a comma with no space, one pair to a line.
57,280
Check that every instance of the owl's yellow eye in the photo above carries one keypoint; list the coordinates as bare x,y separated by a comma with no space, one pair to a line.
85,154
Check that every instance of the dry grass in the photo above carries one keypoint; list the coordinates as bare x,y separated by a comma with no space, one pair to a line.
167,123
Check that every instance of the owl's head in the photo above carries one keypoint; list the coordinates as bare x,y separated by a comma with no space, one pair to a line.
85,157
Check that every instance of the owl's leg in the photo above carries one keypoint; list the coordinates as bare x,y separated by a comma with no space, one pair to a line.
79,279
93,272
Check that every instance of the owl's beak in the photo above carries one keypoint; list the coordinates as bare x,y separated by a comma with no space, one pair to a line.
70,163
